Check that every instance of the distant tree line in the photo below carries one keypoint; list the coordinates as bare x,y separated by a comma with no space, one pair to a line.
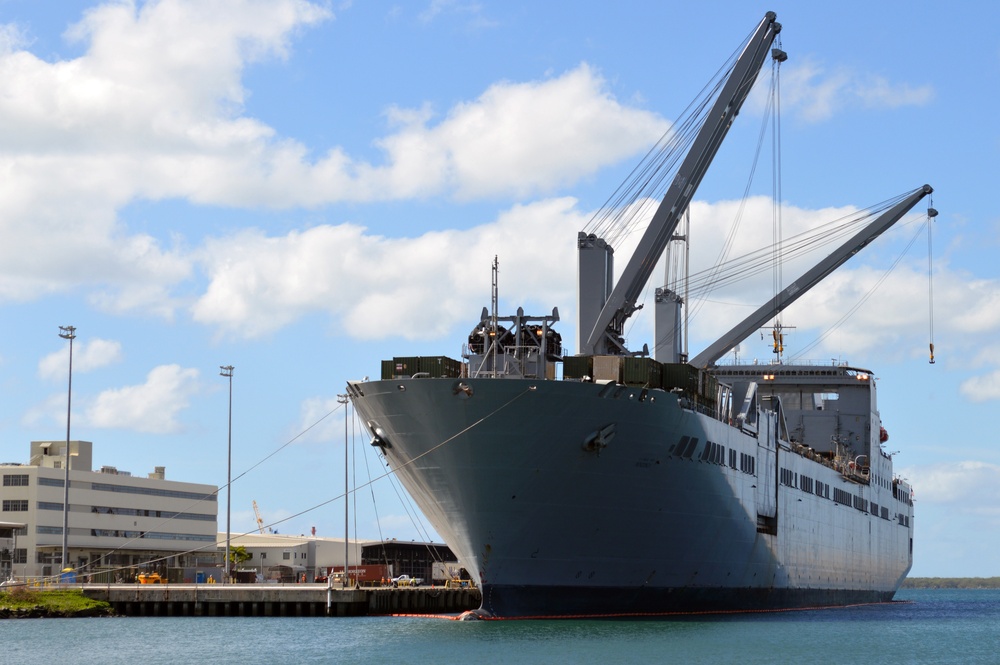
951,583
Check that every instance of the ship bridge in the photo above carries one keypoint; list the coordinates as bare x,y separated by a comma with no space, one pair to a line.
830,410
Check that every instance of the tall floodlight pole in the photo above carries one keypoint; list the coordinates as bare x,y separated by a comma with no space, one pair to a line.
67,332
227,371
343,400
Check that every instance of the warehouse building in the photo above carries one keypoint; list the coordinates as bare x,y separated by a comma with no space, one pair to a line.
119,525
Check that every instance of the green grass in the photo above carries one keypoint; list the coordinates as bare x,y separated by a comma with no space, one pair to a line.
24,602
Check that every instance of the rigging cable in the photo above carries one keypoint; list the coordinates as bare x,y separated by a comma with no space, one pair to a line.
710,274
777,57
647,182
931,214
177,515
860,302
758,261
378,520
391,472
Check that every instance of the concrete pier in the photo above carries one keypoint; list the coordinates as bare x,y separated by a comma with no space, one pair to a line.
296,600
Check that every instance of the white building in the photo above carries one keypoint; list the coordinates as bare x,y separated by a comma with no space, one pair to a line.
280,558
119,524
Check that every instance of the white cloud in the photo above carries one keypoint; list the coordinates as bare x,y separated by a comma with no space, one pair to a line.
473,11
318,420
87,356
152,109
416,288
967,486
153,406
983,387
517,138
816,94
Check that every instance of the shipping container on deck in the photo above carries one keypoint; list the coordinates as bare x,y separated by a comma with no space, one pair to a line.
577,367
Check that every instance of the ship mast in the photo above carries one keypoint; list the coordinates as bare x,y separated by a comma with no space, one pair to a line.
494,318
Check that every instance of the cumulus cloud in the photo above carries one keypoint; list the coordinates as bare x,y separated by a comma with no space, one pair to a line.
421,287
149,108
968,486
152,407
517,138
377,287
982,388
87,356
153,109
318,421
815,93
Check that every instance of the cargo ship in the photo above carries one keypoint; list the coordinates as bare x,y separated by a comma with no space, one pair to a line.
611,483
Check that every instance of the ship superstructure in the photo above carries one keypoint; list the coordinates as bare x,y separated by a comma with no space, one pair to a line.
632,485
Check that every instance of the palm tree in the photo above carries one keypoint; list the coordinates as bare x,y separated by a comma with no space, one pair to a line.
237,556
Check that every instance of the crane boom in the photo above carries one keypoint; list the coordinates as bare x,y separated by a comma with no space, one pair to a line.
799,287
606,335
260,520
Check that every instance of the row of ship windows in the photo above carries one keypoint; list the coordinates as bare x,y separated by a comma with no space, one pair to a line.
715,453
821,489
783,372
21,480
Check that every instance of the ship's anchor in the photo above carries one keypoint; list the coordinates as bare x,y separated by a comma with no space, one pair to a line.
597,441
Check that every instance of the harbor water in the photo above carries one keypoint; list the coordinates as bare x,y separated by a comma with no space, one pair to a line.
930,626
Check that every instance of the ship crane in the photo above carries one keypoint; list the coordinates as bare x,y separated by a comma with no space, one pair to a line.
809,279
601,333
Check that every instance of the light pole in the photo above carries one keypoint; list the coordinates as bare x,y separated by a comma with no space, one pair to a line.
343,400
227,371
67,332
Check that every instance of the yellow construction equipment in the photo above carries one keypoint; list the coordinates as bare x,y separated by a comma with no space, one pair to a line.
260,520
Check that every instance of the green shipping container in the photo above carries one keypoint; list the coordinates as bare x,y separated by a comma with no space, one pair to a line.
439,366
405,366
577,367
642,372
680,375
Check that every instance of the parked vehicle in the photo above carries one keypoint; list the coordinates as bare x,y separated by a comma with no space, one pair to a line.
406,580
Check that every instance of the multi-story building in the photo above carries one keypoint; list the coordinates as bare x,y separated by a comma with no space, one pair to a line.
119,524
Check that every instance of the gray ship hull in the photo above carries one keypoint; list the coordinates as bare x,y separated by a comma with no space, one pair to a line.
568,498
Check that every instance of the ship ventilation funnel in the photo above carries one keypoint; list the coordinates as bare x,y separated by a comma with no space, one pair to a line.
596,278
668,348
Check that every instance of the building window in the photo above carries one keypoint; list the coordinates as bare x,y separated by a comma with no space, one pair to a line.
286,556
150,491
20,555
15,505
48,505
263,555
15,480
50,482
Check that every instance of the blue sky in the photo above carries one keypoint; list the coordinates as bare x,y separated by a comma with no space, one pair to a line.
301,189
